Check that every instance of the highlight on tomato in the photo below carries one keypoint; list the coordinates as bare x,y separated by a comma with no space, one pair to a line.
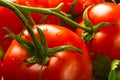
59,65
106,39
102,38
45,52
15,25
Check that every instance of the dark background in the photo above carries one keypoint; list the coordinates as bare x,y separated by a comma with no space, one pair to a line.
118,1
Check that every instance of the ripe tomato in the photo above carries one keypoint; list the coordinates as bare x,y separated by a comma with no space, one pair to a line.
79,7
106,40
107,13
8,19
64,65
13,21
92,2
1,69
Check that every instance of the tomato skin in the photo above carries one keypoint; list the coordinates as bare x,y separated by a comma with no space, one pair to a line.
13,21
92,2
11,24
1,69
104,12
61,66
79,7
67,4
106,40
72,62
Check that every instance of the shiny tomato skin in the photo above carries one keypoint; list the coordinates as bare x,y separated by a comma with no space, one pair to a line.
67,5
63,65
68,62
91,2
13,21
104,12
10,20
79,7
106,40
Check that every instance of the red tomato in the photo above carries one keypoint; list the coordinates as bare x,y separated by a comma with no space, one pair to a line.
1,69
64,65
104,12
79,7
106,40
92,2
67,5
13,21
80,31
8,19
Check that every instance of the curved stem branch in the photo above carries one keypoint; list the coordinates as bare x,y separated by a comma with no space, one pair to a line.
42,52
23,19
46,11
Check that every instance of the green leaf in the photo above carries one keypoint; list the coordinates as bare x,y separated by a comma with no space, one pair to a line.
101,66
118,75
114,73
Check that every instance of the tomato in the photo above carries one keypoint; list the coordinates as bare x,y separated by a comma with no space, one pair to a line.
1,64
79,7
64,65
67,5
107,13
1,69
13,24
106,40
92,2
80,31
13,21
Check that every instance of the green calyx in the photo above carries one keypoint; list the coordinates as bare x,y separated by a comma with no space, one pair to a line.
38,50
89,34
25,10
89,28
41,52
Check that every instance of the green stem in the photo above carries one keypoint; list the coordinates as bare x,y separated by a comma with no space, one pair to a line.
39,49
62,48
72,6
27,45
43,19
29,18
23,19
1,54
46,11
102,24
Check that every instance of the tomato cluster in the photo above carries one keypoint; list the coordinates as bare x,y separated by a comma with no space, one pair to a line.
58,39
